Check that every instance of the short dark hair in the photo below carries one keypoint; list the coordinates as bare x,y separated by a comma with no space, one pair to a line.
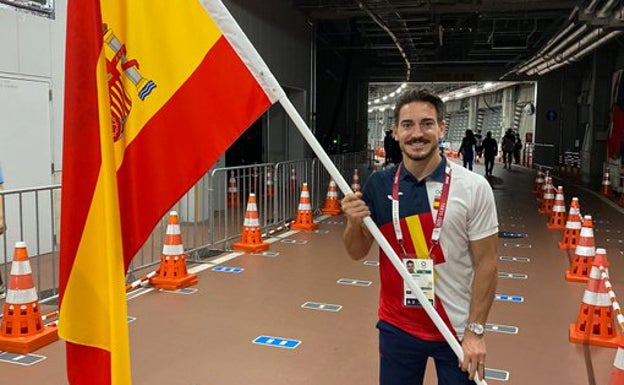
419,95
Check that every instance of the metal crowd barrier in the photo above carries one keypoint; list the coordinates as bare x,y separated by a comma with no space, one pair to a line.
211,213
31,215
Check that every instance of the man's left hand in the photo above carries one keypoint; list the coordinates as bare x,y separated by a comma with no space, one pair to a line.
474,355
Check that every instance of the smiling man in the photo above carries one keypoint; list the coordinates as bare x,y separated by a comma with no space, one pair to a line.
445,219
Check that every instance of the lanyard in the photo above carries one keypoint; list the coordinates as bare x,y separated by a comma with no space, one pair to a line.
437,229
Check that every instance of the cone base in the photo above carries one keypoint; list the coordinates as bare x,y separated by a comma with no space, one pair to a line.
556,227
303,226
617,377
24,345
331,211
250,247
575,278
169,283
582,338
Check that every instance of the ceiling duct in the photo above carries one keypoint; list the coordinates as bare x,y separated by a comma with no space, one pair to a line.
396,41
571,49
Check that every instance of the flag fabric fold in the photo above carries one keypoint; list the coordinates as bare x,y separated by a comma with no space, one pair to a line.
145,83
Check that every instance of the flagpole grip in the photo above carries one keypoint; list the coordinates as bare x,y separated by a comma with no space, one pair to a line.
374,230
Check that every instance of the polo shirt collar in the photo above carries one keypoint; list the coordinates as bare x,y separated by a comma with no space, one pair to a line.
437,175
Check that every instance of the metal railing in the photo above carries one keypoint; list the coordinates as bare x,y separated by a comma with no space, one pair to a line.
211,213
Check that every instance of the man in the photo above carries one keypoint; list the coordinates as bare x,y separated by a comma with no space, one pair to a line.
478,146
508,145
391,147
466,149
465,257
490,150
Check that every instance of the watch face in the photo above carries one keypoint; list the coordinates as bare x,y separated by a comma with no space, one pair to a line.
476,328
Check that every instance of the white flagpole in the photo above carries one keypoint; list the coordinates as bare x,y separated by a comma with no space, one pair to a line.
248,54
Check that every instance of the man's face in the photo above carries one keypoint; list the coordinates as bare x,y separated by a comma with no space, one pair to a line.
418,130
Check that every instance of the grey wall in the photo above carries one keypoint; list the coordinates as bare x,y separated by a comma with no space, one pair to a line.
282,36
32,50
556,114
579,94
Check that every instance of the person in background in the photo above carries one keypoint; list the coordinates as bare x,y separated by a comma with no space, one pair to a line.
2,224
478,145
508,146
466,149
392,149
517,149
490,150
460,256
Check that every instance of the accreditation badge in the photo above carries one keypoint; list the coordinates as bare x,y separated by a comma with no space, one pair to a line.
422,272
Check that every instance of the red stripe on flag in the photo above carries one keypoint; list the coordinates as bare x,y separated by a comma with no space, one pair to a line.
92,365
81,166
81,141
182,141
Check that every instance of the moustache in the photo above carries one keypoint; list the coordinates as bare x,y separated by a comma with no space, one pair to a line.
414,141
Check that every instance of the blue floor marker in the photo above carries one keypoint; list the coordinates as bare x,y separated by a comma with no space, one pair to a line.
507,234
503,274
514,259
21,359
277,342
226,269
518,245
496,374
506,329
508,298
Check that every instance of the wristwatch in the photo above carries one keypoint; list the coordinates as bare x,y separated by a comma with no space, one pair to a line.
476,328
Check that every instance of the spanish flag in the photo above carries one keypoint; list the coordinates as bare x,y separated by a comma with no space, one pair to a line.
155,91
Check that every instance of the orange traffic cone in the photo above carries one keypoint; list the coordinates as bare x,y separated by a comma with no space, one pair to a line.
605,189
269,184
251,238
558,216
595,324
539,182
172,273
332,206
572,231
543,188
22,330
304,220
583,253
232,200
548,200
617,374
355,184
